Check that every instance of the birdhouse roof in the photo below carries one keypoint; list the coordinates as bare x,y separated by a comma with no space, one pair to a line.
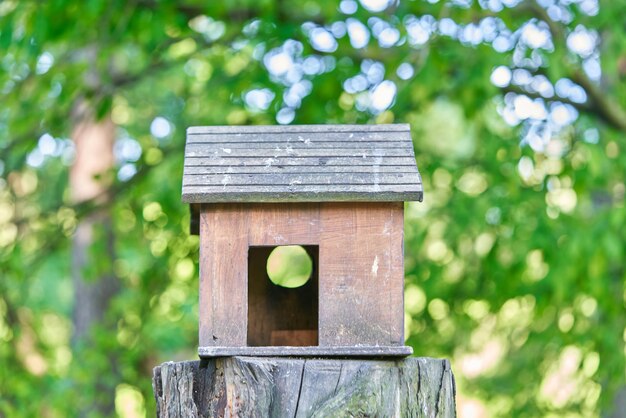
300,163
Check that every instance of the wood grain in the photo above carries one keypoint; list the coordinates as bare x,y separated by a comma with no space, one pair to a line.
298,387
296,337
283,224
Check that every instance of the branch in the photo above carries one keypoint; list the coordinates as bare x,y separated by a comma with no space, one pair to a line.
603,105
582,107
598,101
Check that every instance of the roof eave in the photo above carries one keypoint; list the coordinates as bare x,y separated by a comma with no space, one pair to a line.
292,197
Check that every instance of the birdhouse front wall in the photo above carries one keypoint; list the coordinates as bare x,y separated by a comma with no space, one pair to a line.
359,268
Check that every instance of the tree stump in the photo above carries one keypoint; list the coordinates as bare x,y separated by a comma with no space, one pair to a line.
303,387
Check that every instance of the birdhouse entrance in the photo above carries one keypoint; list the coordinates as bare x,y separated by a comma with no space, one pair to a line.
283,295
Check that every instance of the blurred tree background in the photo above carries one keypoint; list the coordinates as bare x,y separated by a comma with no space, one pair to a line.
515,262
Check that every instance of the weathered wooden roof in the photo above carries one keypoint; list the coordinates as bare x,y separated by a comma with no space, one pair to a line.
300,163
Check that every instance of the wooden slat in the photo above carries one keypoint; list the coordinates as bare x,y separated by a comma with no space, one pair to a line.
396,127
332,140
315,193
223,285
273,143
230,180
361,281
320,162
363,350
304,140
352,152
303,189
192,171
278,224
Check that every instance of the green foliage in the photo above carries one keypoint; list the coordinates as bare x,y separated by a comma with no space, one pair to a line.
289,266
514,262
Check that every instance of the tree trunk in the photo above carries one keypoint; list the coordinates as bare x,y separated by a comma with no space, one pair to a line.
92,274
297,387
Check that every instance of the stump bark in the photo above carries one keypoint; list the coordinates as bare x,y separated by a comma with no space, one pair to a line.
302,387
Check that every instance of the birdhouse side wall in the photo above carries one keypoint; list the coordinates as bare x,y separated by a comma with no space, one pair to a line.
361,269
361,275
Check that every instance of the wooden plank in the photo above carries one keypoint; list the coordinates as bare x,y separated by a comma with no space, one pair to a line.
395,127
301,161
300,387
207,272
310,351
302,193
283,224
395,268
191,171
305,138
361,281
223,285
296,337
353,152
303,189
273,179
272,143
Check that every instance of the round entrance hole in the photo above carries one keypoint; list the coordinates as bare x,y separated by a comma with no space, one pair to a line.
289,266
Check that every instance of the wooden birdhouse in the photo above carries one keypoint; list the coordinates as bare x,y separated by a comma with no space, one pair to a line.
335,190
